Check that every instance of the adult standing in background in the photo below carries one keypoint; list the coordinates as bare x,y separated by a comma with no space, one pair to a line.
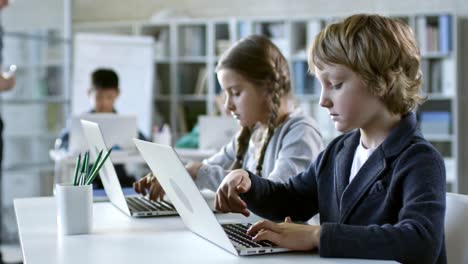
5,85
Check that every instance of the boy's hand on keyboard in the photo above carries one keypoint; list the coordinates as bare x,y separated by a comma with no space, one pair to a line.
149,184
286,234
227,196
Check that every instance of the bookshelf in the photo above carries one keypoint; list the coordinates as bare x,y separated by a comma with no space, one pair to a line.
35,111
188,48
437,38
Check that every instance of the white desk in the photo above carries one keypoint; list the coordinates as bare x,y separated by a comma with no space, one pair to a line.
120,239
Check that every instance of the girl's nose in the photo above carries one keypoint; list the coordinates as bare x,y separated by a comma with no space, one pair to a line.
228,105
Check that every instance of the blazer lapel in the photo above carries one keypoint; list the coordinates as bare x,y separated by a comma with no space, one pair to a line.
366,176
343,162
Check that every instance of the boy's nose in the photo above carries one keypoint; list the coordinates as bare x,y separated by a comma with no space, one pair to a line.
324,100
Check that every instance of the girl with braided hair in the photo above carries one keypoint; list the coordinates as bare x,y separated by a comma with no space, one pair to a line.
276,140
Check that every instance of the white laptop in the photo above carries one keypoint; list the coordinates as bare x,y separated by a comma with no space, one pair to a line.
135,205
191,206
118,130
216,131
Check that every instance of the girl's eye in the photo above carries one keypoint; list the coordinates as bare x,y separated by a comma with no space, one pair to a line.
337,86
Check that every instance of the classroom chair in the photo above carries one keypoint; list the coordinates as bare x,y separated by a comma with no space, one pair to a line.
456,228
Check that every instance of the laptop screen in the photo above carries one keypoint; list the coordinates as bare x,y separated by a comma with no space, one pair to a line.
117,130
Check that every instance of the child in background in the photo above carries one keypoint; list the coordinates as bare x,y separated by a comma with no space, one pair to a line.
380,187
103,93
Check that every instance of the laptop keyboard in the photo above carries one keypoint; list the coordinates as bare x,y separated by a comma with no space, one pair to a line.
141,204
237,233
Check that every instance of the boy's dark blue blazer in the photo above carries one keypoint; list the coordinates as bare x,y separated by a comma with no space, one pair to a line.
393,209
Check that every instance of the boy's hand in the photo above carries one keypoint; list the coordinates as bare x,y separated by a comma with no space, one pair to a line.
227,196
287,234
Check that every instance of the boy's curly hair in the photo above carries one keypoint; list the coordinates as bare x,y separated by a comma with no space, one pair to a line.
381,50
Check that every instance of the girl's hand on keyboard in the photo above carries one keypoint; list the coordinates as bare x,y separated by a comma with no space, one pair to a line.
149,184
193,168
286,234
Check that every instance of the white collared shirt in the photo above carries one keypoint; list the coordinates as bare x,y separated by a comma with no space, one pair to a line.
360,157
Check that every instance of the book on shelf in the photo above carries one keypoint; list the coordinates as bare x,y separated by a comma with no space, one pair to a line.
421,33
182,119
55,117
448,76
187,80
300,71
435,122
305,83
434,33
200,87
161,43
425,63
277,30
193,41
436,76
432,38
222,45
445,35
299,41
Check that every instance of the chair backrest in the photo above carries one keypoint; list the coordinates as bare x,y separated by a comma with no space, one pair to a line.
456,228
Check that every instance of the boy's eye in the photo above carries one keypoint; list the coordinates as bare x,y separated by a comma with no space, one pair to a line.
337,86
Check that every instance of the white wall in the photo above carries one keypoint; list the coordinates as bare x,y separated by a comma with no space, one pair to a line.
33,14
114,10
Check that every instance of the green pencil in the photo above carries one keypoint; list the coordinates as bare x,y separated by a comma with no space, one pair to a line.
95,172
85,162
95,163
77,168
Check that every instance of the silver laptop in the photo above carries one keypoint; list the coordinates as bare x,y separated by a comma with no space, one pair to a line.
117,130
191,206
216,131
135,205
